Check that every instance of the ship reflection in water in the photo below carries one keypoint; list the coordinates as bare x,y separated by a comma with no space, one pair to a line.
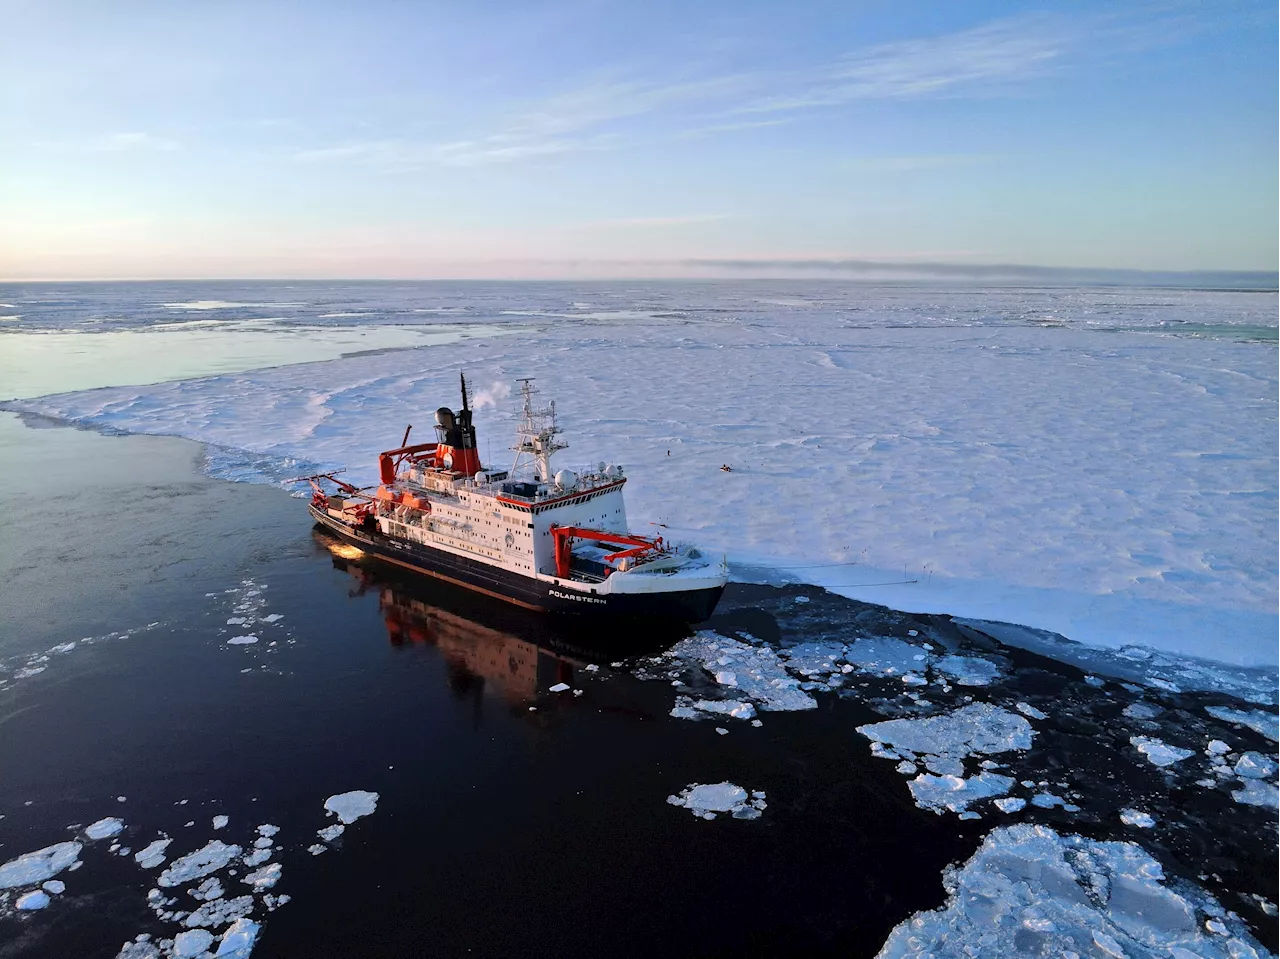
515,653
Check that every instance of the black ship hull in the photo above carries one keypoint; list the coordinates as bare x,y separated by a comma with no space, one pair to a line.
687,606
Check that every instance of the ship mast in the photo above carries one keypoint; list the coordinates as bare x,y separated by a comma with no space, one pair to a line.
536,434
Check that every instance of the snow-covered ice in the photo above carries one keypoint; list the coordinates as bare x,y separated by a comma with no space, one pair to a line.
237,942
153,854
1135,817
33,868
242,640
968,670
219,912
54,887
192,943
1253,792
705,801
220,821
36,899
330,833
1029,891
1045,502
1265,723
978,729
211,857
353,805
758,672
263,878
104,828
1159,752
955,793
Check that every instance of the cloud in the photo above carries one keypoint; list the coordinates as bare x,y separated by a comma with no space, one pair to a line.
977,61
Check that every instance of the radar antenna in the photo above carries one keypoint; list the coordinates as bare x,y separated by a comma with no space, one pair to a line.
536,434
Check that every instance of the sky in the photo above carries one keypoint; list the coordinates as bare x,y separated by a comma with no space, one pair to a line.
597,138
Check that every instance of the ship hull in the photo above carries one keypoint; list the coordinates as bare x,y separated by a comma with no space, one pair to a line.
688,606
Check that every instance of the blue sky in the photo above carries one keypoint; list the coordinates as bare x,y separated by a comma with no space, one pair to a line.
623,138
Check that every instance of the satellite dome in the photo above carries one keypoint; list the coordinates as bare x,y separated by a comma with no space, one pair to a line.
611,471
566,479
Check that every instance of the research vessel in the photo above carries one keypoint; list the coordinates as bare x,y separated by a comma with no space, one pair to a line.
538,537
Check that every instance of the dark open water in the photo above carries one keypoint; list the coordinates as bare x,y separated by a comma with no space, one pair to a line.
500,830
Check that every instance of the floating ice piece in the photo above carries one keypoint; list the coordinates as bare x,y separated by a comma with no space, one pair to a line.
1010,804
558,688
1047,800
104,828
1254,765
978,729
1265,723
1135,817
211,857
263,878
317,848
192,943
208,890
219,912
139,948
330,833
1028,710
242,640
267,829
1159,752
273,618
955,793
152,855
220,821
882,655
1217,748
54,887
36,899
758,672
814,659
257,857
1141,710
969,670
35,867
705,801
1074,891
690,709
237,621
353,805
237,941
1257,793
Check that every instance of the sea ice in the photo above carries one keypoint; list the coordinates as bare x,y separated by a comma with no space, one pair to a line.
213,856
263,878
54,887
1254,792
33,868
1266,723
208,890
968,670
1010,804
353,805
956,793
882,655
36,899
237,942
1253,765
192,943
1030,711
706,800
1135,817
686,708
153,854
220,821
758,672
330,833
104,828
1159,752
1029,891
242,640
558,688
219,912
978,729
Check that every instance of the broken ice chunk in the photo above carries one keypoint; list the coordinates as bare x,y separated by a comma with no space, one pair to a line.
1159,752
104,828
353,805
558,688
705,801
1135,817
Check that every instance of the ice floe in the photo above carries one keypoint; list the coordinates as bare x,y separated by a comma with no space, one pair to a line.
1029,891
192,943
263,878
706,801
104,828
237,942
758,673
1254,792
36,899
211,857
968,670
1158,752
955,793
978,729
350,806
33,868
1264,723
1135,817
219,912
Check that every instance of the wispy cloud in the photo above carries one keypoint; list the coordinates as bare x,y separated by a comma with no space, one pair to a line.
977,61
1000,57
